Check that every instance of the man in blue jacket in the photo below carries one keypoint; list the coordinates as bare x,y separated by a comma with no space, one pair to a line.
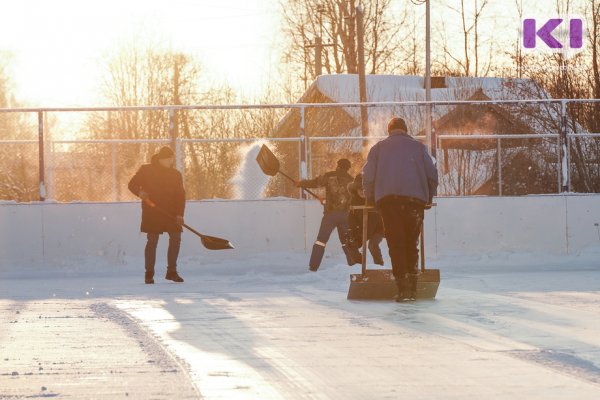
401,179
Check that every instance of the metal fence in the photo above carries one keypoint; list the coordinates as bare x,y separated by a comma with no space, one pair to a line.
552,152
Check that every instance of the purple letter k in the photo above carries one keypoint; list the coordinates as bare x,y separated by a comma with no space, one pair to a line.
545,33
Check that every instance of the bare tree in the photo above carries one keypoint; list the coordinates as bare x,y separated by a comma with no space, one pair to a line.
334,22
470,63
152,76
18,162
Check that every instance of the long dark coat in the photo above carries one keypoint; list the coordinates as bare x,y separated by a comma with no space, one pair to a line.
165,187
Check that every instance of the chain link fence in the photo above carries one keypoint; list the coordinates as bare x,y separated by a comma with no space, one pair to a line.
481,147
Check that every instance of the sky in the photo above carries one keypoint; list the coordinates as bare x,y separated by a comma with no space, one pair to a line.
57,48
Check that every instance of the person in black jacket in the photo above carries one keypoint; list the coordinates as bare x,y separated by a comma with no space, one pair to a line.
160,184
335,213
355,221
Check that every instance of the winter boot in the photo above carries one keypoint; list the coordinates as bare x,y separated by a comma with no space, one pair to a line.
405,292
352,257
412,286
149,277
403,298
316,256
172,275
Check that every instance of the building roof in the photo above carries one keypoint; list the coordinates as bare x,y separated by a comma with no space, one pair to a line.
338,121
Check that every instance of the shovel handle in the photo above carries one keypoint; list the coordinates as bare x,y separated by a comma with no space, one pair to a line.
422,245
305,189
153,205
365,233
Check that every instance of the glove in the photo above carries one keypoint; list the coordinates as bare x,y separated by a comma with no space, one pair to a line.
143,195
179,220
297,183
429,204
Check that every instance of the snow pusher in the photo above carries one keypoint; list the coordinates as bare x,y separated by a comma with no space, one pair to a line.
379,284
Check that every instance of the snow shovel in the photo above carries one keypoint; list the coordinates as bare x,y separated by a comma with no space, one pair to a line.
269,164
380,284
210,242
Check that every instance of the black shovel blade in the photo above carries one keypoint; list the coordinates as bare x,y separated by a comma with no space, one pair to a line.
215,243
268,162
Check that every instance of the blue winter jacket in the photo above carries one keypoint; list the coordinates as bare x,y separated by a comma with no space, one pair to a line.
399,165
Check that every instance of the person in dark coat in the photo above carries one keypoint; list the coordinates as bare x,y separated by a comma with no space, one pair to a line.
159,183
335,213
355,222
401,179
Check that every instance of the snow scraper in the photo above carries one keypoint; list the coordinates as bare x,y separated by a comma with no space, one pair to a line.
210,242
269,164
379,284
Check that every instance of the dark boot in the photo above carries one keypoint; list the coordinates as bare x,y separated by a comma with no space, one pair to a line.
149,277
352,255
316,256
172,275
400,298
377,259
412,286
405,289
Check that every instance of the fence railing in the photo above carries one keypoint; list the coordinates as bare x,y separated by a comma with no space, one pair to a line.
553,154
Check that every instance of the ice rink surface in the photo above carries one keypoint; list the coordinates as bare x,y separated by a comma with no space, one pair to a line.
262,327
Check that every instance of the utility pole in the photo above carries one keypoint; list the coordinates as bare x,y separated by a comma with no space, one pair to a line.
174,123
430,139
362,84
318,45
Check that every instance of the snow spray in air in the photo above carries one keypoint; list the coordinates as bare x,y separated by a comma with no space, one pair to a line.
249,181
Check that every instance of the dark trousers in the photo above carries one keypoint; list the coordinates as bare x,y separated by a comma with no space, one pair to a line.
402,222
172,252
329,222
374,235
373,246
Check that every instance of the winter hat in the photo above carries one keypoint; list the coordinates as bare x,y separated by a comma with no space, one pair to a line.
343,163
397,123
165,152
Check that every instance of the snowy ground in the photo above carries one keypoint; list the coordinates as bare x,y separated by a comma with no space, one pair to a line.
262,327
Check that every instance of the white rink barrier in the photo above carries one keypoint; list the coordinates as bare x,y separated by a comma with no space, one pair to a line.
64,233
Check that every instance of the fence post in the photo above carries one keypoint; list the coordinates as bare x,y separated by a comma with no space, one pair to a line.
172,127
563,147
114,171
175,141
499,167
41,155
179,157
303,150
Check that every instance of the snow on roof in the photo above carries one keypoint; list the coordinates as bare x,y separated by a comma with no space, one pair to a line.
344,88
384,88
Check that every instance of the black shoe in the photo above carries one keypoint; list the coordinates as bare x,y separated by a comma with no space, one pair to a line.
405,298
149,278
173,276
